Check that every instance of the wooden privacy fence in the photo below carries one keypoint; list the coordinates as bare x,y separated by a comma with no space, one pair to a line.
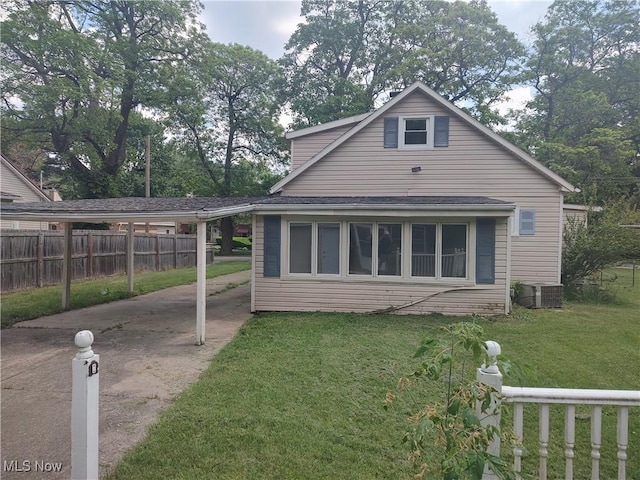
31,258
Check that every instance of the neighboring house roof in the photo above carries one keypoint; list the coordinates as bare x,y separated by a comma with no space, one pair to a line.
580,208
23,179
366,119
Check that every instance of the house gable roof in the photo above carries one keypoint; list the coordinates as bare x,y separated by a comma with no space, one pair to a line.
343,122
367,119
23,179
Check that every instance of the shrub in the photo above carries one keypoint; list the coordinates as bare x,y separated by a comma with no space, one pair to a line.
242,243
447,437
590,247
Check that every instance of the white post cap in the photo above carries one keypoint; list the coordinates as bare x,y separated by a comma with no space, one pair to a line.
84,340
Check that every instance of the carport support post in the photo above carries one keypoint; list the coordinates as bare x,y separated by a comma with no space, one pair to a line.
84,409
201,296
67,265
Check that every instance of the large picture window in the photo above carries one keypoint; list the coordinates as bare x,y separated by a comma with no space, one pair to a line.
436,251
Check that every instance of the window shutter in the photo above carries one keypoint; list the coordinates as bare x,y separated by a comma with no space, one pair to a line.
485,250
272,246
391,132
527,222
441,132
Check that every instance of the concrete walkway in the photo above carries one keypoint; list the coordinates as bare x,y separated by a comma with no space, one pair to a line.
147,356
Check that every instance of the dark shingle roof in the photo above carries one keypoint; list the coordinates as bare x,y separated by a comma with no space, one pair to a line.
403,200
192,209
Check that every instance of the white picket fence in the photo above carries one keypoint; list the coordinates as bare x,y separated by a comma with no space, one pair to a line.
570,398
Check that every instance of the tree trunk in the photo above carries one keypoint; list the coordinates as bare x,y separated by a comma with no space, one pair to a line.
227,236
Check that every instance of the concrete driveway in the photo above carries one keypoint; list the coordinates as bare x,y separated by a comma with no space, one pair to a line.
147,356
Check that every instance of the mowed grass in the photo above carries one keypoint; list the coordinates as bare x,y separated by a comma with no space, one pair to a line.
36,302
300,396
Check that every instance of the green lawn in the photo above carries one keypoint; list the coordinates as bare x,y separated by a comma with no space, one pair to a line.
300,396
36,302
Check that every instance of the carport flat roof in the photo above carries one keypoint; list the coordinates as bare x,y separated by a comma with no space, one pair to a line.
211,208
131,209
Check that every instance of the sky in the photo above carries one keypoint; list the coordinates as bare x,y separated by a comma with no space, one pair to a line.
266,25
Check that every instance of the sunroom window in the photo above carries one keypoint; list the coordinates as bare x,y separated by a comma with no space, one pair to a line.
300,247
439,249
390,249
423,250
360,248
329,248
454,251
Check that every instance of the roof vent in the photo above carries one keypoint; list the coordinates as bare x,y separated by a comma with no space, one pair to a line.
393,94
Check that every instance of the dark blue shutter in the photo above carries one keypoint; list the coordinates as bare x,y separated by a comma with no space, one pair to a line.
272,246
391,132
441,132
527,222
485,250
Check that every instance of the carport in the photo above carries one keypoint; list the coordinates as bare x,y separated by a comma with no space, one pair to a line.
131,210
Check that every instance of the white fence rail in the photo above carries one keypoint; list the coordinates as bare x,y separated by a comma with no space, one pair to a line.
570,398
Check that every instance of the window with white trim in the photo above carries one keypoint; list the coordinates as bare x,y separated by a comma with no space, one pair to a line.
436,250
439,250
416,132
386,259
314,248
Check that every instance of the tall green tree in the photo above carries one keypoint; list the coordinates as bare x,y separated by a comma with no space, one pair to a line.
74,73
584,67
347,54
227,113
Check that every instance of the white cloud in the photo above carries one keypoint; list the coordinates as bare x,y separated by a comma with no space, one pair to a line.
515,99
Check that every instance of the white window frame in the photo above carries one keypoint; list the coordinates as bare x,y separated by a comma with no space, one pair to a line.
286,256
406,248
469,266
430,119
375,264
515,222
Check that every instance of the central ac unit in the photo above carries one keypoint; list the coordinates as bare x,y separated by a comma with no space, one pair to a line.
540,295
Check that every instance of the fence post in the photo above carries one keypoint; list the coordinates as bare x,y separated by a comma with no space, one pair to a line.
40,280
84,409
490,375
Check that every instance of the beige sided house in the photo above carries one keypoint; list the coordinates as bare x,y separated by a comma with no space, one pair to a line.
16,188
415,208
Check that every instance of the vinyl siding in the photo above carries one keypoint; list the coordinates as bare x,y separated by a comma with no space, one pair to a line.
12,183
303,148
356,295
472,164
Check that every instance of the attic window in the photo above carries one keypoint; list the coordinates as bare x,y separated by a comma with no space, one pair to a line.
416,132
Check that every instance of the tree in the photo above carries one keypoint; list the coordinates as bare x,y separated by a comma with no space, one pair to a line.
228,114
74,73
583,120
348,54
588,247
